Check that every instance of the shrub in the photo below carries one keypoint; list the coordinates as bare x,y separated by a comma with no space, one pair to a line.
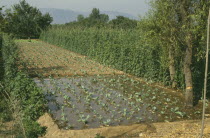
26,100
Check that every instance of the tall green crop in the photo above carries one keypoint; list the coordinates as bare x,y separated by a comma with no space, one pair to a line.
125,50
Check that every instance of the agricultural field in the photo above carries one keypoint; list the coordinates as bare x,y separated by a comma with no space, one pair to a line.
82,93
48,60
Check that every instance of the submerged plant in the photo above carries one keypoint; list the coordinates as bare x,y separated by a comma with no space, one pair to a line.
83,118
107,122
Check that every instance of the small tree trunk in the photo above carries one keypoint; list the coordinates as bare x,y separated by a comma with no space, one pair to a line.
188,73
172,69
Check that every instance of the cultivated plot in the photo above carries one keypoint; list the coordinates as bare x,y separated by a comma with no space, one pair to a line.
95,101
48,60
81,93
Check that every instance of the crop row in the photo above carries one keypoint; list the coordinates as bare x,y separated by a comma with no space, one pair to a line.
124,50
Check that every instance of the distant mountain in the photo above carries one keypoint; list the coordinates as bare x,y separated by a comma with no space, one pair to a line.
61,16
113,14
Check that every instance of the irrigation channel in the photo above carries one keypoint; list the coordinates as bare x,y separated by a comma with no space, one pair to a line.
82,93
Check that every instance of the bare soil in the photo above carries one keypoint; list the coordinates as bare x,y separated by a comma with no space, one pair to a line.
49,60
183,129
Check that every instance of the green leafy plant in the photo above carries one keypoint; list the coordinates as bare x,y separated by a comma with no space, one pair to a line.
31,100
99,136
83,118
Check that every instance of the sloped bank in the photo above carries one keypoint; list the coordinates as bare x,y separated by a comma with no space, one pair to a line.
180,129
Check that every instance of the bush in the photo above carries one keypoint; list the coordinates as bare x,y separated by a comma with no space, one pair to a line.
26,100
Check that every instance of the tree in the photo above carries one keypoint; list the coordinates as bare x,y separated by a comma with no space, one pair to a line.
95,14
178,22
80,18
193,17
123,23
166,20
104,18
96,18
26,21
2,21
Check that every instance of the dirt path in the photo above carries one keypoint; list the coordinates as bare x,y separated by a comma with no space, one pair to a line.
183,129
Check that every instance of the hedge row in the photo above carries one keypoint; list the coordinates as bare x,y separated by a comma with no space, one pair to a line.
30,98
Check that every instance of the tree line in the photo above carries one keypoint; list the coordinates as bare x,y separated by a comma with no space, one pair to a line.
98,20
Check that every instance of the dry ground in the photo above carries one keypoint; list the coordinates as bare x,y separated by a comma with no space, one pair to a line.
183,129
49,60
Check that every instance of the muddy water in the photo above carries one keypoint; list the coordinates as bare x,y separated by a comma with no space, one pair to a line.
95,101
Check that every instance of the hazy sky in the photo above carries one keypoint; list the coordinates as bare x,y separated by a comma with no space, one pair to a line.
135,7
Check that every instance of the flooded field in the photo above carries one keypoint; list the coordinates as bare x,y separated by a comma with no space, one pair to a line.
96,101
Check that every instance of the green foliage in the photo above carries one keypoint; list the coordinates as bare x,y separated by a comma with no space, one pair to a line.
160,28
5,114
33,129
30,98
95,15
98,20
9,54
104,18
1,19
80,18
25,21
95,19
180,25
99,136
123,23
1,60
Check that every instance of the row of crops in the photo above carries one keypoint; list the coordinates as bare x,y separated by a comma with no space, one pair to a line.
123,49
22,102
